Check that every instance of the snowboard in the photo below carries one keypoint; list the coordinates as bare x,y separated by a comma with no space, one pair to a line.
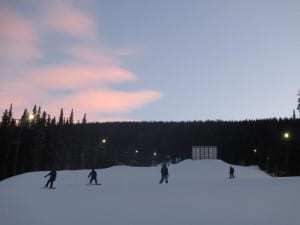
94,184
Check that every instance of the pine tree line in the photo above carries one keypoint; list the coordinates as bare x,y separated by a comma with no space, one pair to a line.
25,142
39,142
37,117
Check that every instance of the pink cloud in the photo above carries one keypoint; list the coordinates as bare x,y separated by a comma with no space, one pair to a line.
97,103
63,17
18,37
76,76
108,101
90,56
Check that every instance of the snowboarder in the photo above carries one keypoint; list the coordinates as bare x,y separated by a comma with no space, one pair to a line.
52,178
164,173
231,172
93,176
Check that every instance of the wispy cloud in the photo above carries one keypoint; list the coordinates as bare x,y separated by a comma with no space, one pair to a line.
65,18
81,77
78,76
90,56
18,38
105,101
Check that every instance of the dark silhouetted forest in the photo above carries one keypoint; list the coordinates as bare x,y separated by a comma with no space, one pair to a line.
39,142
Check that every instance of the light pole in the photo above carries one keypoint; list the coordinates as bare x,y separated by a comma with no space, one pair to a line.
154,158
286,138
20,131
102,143
136,155
255,155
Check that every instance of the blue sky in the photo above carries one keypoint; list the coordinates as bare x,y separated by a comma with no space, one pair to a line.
151,60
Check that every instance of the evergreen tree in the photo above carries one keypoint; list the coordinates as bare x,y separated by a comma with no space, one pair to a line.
34,111
38,116
84,119
298,107
10,114
48,120
53,121
25,118
33,118
13,122
294,114
71,119
5,119
61,117
43,120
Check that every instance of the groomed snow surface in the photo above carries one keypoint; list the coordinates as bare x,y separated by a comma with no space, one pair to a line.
198,193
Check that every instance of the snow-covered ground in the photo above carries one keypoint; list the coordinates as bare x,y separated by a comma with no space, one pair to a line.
199,192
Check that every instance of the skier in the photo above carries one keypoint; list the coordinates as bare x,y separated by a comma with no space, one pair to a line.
52,178
93,176
164,173
231,172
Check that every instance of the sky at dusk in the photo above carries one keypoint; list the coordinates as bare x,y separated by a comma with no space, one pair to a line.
156,60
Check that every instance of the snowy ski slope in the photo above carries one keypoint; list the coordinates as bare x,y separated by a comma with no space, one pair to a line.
199,192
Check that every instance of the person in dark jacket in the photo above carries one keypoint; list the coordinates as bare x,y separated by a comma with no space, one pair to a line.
93,176
52,178
164,173
231,172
